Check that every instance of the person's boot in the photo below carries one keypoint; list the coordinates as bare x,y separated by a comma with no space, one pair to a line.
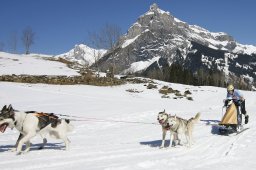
246,119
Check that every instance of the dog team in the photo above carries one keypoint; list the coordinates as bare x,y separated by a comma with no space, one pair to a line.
31,123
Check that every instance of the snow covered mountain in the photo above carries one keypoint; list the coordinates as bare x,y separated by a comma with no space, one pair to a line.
82,54
158,39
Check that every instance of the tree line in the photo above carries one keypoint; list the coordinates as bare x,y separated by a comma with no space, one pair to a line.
176,73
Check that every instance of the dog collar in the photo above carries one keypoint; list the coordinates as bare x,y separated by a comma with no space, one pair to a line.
167,126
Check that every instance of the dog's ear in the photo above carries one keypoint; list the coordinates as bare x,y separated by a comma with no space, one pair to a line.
11,111
4,108
175,117
10,108
164,111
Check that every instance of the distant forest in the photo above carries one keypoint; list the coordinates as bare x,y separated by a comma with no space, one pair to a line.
177,74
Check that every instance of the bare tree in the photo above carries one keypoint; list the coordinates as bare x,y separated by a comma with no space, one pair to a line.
110,35
13,42
28,38
106,37
96,43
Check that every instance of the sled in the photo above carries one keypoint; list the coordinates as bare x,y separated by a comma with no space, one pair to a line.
232,120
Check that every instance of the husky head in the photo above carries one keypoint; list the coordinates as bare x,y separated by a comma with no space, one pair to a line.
162,117
172,121
6,118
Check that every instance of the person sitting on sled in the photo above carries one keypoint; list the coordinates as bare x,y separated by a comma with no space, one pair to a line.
238,98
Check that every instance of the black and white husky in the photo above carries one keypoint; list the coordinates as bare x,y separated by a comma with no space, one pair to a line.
29,124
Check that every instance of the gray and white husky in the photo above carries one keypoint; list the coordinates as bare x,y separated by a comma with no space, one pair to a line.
29,124
177,127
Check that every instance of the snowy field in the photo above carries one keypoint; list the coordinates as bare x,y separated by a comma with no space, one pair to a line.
32,64
116,145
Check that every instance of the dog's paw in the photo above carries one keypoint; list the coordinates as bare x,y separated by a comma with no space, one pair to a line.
12,150
22,152
18,153
161,147
26,150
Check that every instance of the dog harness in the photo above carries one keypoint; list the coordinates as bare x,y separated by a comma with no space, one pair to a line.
50,115
166,124
176,127
46,119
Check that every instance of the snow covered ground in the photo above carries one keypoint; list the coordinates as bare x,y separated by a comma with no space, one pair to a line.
110,145
32,64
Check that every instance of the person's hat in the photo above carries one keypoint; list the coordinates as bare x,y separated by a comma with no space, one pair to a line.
230,87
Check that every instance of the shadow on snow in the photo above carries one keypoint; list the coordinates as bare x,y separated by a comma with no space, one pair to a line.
50,146
155,143
214,124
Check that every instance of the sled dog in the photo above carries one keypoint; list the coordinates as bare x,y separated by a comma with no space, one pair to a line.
163,121
177,126
29,124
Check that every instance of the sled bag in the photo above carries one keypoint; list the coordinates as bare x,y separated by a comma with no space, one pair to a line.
230,117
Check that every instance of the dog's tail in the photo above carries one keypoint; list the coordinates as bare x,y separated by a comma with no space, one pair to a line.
196,118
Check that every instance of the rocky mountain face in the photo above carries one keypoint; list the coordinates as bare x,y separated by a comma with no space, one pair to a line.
159,39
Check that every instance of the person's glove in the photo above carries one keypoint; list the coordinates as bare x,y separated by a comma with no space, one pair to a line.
227,102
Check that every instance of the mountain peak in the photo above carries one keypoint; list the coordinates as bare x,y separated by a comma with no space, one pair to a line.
153,7
83,54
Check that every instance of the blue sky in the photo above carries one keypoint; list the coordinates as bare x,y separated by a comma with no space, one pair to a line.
60,24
